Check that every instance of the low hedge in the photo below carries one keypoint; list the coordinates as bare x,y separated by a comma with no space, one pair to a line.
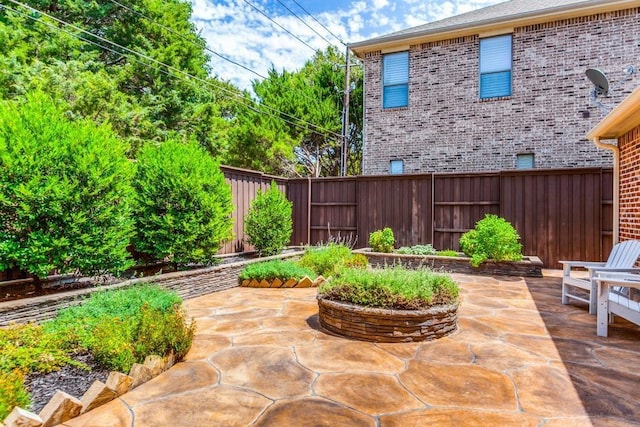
275,269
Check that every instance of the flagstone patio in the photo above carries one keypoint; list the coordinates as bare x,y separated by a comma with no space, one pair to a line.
519,358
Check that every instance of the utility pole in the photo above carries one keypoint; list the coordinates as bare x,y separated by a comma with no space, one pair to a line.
345,118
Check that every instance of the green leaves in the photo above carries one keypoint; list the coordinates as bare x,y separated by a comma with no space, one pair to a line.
182,204
64,191
493,238
268,223
382,240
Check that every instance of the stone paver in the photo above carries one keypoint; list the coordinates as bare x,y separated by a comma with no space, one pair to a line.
519,357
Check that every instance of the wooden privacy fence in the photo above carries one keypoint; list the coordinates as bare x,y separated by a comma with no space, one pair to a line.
560,214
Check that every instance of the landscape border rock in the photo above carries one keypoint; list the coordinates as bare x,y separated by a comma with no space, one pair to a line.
387,325
305,282
63,407
530,266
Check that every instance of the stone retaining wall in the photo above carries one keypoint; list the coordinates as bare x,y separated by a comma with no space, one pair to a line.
530,266
188,284
382,325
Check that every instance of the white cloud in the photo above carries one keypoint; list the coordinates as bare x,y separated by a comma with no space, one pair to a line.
235,30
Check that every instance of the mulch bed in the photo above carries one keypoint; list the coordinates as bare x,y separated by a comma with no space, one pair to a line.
71,380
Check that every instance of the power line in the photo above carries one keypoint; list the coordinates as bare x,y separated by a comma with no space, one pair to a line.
187,40
283,28
172,31
304,22
169,67
320,23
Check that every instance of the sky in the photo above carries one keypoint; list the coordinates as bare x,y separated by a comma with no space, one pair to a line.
237,30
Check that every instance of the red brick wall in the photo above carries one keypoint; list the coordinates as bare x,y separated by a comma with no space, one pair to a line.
630,185
447,128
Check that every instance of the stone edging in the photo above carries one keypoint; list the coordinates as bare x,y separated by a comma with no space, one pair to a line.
385,325
63,407
305,282
188,284
530,266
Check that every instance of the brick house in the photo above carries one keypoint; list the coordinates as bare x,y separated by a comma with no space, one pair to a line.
623,125
498,88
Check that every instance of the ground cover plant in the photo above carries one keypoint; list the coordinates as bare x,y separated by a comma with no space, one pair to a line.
492,238
448,252
382,240
330,259
268,223
417,250
276,269
394,288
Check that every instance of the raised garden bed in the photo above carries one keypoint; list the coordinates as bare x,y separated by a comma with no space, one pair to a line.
530,266
387,325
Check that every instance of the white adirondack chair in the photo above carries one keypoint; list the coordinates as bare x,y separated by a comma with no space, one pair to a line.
622,259
615,298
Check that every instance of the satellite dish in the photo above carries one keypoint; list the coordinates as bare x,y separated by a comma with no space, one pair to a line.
599,80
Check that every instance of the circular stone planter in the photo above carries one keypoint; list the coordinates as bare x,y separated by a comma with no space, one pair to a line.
386,325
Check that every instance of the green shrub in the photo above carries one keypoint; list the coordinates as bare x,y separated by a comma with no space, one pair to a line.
395,287
326,260
183,204
382,240
448,252
13,393
64,191
493,238
124,326
268,223
417,250
275,269
356,261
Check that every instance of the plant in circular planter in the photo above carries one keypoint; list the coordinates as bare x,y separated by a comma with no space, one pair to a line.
389,305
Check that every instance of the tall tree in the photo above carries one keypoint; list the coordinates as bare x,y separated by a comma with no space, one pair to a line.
310,103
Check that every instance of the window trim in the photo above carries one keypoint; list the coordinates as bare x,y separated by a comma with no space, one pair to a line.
510,69
404,84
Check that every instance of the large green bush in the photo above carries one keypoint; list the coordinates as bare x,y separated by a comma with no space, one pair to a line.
183,204
268,223
124,326
64,191
493,238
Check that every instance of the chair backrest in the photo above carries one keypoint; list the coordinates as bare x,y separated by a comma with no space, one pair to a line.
624,255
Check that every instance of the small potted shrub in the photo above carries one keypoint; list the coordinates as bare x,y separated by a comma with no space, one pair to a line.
389,305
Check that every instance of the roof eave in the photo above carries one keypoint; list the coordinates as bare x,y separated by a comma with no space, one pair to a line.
561,12
620,120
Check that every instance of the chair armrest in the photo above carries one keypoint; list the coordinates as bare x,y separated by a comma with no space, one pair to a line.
584,264
617,275
621,279
607,271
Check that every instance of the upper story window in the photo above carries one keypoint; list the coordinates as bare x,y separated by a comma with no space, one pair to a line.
495,67
395,80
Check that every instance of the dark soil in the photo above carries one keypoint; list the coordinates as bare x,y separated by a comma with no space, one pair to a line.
71,380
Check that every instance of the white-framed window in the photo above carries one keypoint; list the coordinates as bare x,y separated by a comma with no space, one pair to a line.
396,167
525,161
395,80
495,66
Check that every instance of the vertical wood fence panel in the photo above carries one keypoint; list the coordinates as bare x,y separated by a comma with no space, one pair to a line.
459,202
402,203
244,187
333,209
557,213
